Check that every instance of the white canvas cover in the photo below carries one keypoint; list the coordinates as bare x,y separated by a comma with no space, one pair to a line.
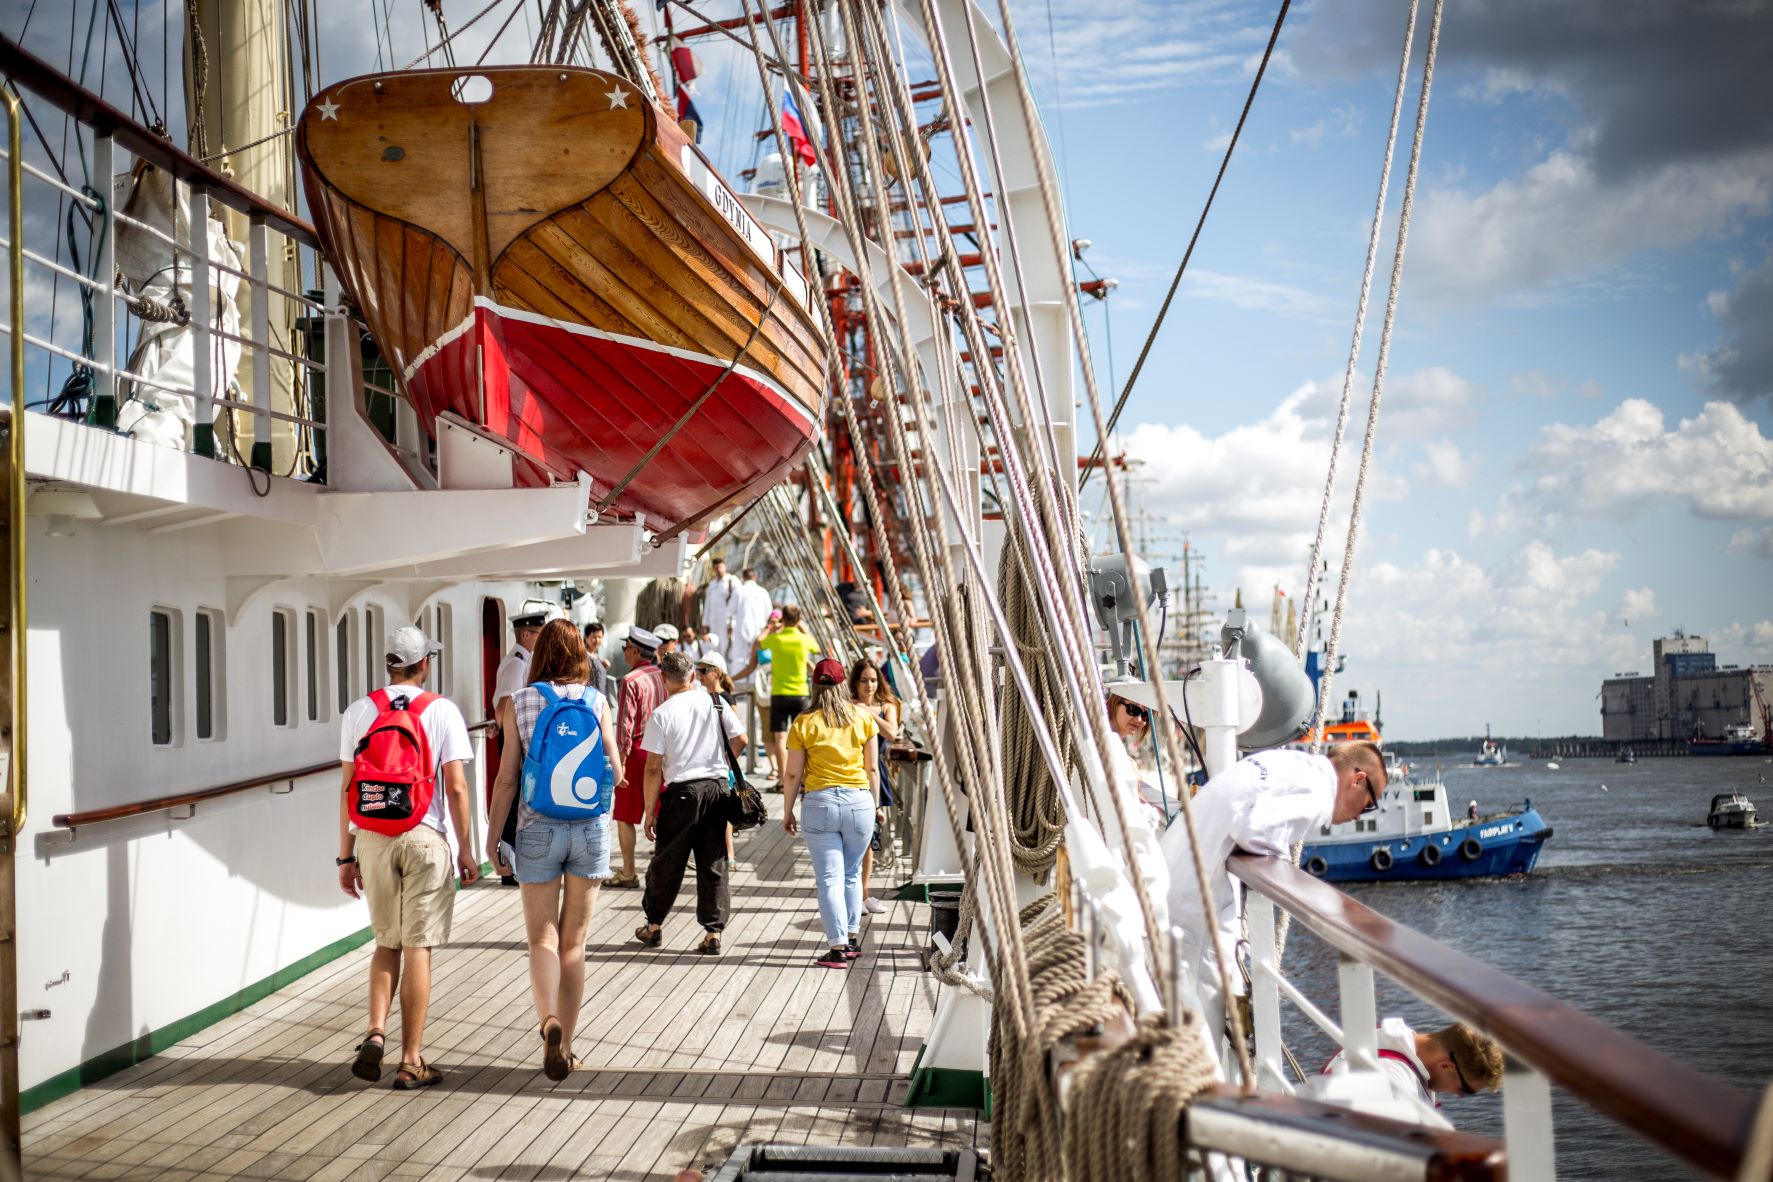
165,353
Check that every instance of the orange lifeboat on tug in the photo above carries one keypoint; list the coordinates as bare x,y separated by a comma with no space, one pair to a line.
559,267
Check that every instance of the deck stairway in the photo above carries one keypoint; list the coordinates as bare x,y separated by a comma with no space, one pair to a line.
687,1057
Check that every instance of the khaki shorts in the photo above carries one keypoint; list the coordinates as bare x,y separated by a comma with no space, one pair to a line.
409,882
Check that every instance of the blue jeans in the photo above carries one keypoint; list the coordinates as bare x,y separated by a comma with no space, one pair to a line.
837,823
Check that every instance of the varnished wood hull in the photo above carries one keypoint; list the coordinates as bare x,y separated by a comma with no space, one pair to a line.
559,266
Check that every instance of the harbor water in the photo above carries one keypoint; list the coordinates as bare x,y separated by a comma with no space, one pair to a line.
1637,913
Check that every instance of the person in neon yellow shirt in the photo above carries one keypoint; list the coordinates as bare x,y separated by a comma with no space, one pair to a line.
833,760
791,653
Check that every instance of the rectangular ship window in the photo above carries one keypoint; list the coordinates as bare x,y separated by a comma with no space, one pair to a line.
280,668
210,647
343,634
160,680
375,673
311,664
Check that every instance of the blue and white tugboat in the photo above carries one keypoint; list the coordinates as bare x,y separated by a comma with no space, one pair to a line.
1414,835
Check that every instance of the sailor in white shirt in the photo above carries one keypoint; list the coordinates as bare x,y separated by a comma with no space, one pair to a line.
1415,1068
513,675
1263,804
751,611
718,600
513,672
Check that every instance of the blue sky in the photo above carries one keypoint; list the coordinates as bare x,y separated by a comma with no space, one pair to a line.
1574,451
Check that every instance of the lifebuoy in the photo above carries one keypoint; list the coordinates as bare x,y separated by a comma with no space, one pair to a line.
1431,855
1381,860
1316,866
1470,850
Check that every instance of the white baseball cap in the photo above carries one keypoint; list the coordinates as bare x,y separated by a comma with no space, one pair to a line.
711,661
666,632
409,646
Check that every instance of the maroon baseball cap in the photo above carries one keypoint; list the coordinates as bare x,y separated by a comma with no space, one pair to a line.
828,672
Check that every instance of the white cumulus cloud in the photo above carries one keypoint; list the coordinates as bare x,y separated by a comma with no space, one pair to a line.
1717,463
1444,466
1639,604
1564,219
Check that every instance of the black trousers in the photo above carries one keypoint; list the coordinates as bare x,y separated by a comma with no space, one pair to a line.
692,820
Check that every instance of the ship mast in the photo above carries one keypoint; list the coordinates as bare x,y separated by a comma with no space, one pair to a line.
239,105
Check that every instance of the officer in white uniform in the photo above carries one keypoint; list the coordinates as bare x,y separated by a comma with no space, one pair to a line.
513,675
1263,805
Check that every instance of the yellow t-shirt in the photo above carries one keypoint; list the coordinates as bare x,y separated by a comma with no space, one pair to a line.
836,757
790,649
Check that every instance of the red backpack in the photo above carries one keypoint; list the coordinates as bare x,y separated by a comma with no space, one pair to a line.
393,777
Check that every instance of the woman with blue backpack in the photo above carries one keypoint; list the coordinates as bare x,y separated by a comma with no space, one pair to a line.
556,771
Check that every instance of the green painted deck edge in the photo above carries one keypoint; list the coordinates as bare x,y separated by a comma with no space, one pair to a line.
947,1087
154,1041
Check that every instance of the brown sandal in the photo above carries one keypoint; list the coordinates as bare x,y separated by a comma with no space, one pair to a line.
417,1075
368,1064
556,1064
650,934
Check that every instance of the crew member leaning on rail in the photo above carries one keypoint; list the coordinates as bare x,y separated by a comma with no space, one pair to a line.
1263,804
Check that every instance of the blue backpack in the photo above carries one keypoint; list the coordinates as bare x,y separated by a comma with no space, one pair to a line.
566,771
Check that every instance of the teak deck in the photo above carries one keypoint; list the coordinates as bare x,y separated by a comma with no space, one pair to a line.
686,1057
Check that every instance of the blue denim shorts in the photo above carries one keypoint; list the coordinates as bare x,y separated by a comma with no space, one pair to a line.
548,849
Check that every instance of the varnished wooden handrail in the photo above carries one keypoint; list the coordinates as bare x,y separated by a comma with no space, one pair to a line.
1688,1113
38,76
160,805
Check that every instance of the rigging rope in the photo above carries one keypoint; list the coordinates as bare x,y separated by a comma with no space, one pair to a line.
1151,659
684,419
449,38
1354,347
1360,480
1164,308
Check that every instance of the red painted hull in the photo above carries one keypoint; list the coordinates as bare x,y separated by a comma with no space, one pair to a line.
571,398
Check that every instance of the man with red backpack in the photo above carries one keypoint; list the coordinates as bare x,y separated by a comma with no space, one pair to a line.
404,752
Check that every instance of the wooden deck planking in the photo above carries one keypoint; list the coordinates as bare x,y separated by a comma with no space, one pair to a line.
687,1056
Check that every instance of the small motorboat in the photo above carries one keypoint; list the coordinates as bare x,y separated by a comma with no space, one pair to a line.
1731,810
1492,753
1626,756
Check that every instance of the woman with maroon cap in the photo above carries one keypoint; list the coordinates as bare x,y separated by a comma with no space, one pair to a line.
833,761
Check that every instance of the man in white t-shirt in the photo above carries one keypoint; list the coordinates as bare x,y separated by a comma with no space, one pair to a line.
689,741
1263,804
409,879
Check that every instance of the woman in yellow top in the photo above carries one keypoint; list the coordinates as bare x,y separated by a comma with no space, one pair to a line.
833,760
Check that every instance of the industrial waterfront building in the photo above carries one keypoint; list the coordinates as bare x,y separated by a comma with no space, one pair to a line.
1688,696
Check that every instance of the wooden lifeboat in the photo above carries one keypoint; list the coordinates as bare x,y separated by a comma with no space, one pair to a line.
560,267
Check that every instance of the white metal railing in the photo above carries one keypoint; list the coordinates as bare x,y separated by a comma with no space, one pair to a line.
1690,1115
213,395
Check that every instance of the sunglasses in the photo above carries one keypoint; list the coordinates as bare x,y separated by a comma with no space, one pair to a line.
1133,711
1465,1089
1372,796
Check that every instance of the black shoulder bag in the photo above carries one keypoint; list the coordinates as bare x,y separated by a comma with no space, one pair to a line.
745,807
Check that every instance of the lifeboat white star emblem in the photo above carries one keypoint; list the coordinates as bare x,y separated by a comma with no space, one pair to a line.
329,109
617,98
